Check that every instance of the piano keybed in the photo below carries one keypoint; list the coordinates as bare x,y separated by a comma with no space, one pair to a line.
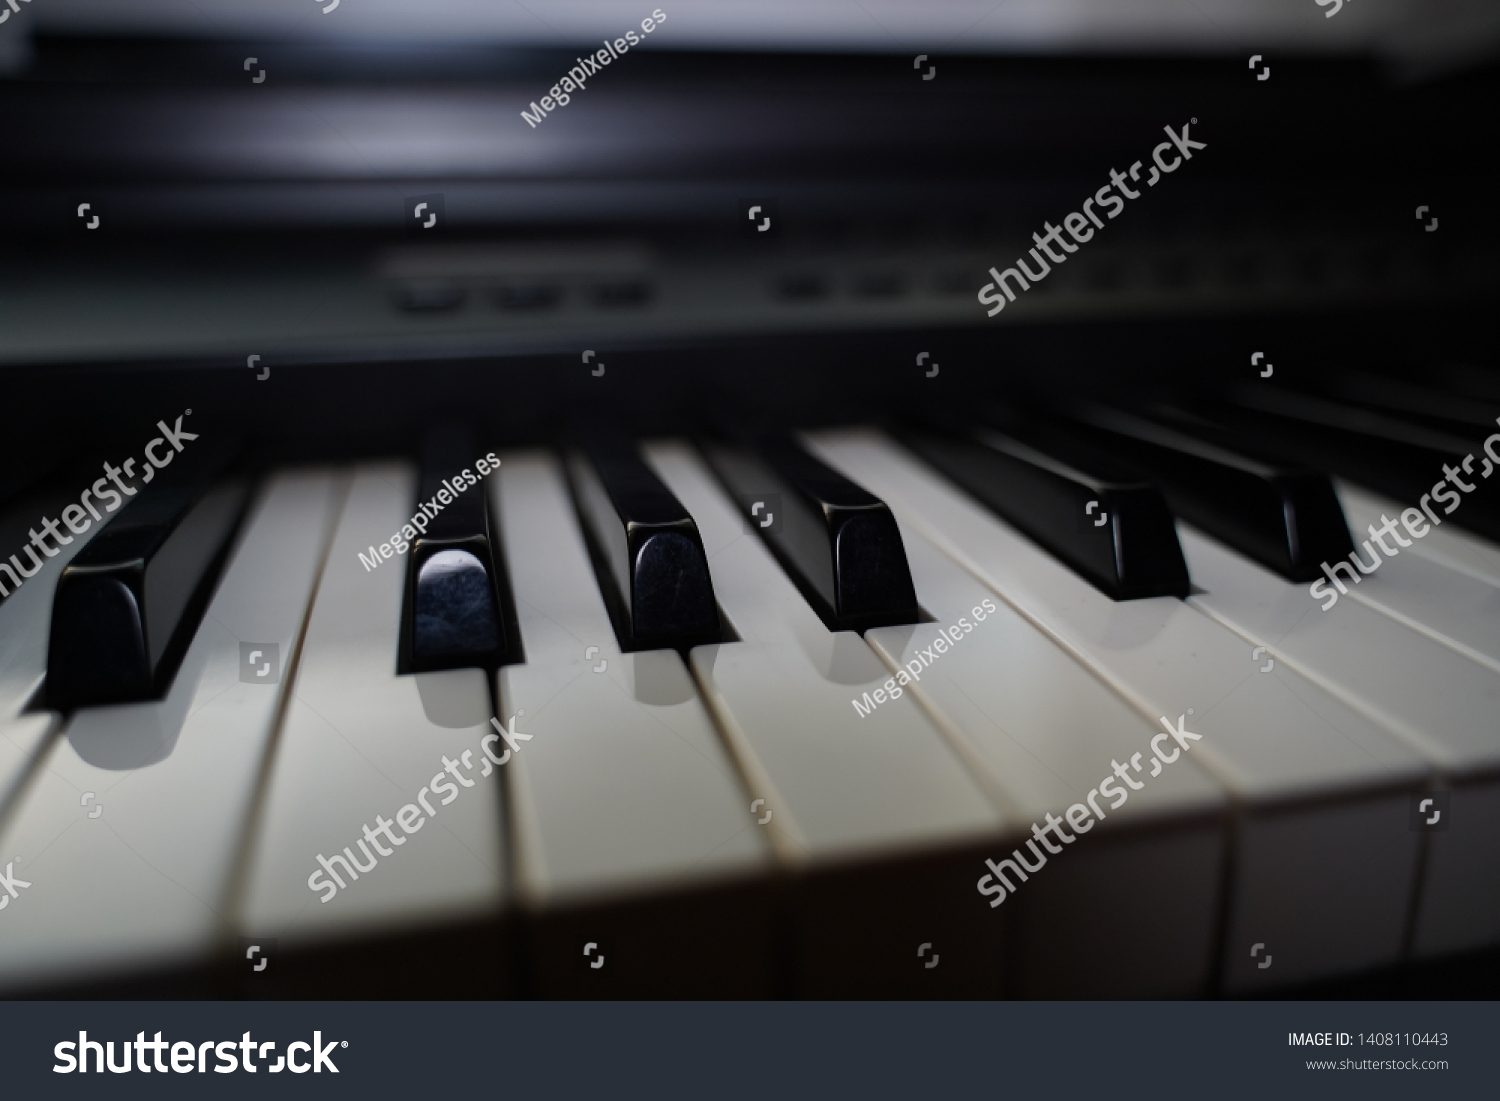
601,820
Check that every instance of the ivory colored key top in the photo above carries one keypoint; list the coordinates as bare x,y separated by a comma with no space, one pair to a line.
633,831
383,816
884,817
131,828
1440,584
1452,546
1439,701
1044,733
1436,700
1323,791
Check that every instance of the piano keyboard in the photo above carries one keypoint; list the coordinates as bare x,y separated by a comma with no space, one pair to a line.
684,810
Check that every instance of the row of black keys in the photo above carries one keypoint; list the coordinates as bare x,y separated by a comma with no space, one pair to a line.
1098,486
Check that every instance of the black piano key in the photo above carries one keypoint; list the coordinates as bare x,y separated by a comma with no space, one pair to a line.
1106,522
648,555
127,605
837,542
1418,404
1384,452
453,606
1287,518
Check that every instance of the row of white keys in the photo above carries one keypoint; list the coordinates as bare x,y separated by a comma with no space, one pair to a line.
624,787
1445,583
854,795
1323,790
360,746
1043,733
128,833
1392,666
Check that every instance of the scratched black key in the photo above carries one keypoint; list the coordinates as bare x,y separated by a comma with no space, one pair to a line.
453,604
127,605
648,555
1106,522
1285,517
837,542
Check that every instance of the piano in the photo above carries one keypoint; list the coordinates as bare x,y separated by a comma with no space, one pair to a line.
648,571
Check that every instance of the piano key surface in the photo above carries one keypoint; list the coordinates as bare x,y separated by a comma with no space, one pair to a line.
856,793
1446,583
1435,698
626,812
1438,701
359,743
133,824
1042,732
624,787
838,543
1285,750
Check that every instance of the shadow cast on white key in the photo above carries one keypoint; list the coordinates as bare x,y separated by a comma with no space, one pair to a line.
135,735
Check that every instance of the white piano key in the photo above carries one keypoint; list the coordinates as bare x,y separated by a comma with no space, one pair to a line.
845,786
131,829
23,742
873,781
624,788
1445,584
1439,701
1288,751
1043,732
357,745
1456,547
